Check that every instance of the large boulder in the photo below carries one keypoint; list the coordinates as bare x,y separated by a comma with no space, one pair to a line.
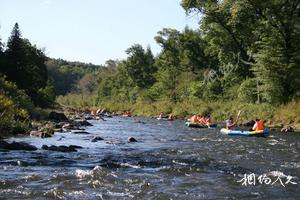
17,146
57,117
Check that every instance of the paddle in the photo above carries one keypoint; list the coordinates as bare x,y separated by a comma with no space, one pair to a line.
237,117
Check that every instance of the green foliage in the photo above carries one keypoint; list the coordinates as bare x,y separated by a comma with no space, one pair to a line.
247,91
15,107
140,66
78,101
71,76
25,64
245,52
46,96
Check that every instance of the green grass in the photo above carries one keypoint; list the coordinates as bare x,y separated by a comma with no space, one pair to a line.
220,110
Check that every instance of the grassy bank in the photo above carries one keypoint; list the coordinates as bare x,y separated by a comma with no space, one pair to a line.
283,114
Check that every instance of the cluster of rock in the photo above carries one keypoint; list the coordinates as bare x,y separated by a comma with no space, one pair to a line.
58,123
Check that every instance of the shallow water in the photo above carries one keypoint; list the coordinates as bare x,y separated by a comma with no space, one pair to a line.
170,161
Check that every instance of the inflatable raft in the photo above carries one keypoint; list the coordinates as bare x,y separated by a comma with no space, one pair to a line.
164,119
245,133
198,125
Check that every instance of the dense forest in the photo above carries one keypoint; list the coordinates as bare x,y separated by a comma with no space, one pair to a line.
245,54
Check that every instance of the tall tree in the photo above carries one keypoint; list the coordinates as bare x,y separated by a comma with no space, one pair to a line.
25,64
140,66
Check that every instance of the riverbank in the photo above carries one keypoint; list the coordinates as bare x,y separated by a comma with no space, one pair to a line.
282,116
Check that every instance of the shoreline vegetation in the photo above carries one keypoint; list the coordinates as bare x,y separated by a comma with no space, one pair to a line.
277,117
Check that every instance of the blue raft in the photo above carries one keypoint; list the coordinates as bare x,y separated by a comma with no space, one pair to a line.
245,133
199,125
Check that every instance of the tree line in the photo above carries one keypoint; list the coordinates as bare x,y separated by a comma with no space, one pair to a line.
244,49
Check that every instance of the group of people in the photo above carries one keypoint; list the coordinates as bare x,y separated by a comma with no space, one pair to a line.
202,119
231,124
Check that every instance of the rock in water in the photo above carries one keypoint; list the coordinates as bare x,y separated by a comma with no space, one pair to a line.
96,138
131,139
61,148
82,122
75,146
80,132
17,146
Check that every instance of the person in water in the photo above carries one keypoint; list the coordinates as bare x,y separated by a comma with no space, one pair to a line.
230,124
258,126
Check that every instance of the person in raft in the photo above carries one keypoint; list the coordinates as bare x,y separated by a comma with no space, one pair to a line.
194,118
208,120
171,117
258,126
162,115
202,119
230,124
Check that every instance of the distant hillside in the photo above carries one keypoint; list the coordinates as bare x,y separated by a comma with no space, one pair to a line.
69,76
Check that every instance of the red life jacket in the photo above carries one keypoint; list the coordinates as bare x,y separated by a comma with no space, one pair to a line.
259,125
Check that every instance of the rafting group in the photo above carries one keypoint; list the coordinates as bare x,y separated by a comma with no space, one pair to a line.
205,121
196,121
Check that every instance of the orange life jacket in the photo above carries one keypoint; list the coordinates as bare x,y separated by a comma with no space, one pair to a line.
195,119
259,125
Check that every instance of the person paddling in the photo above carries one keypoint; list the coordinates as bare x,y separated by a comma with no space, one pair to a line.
230,124
258,126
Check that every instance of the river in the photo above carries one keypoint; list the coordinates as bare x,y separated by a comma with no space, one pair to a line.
169,161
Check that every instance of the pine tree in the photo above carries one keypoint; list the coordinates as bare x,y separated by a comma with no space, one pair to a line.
25,64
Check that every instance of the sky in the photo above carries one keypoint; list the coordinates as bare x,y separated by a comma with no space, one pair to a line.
92,31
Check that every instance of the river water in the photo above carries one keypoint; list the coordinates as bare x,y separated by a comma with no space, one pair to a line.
169,161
